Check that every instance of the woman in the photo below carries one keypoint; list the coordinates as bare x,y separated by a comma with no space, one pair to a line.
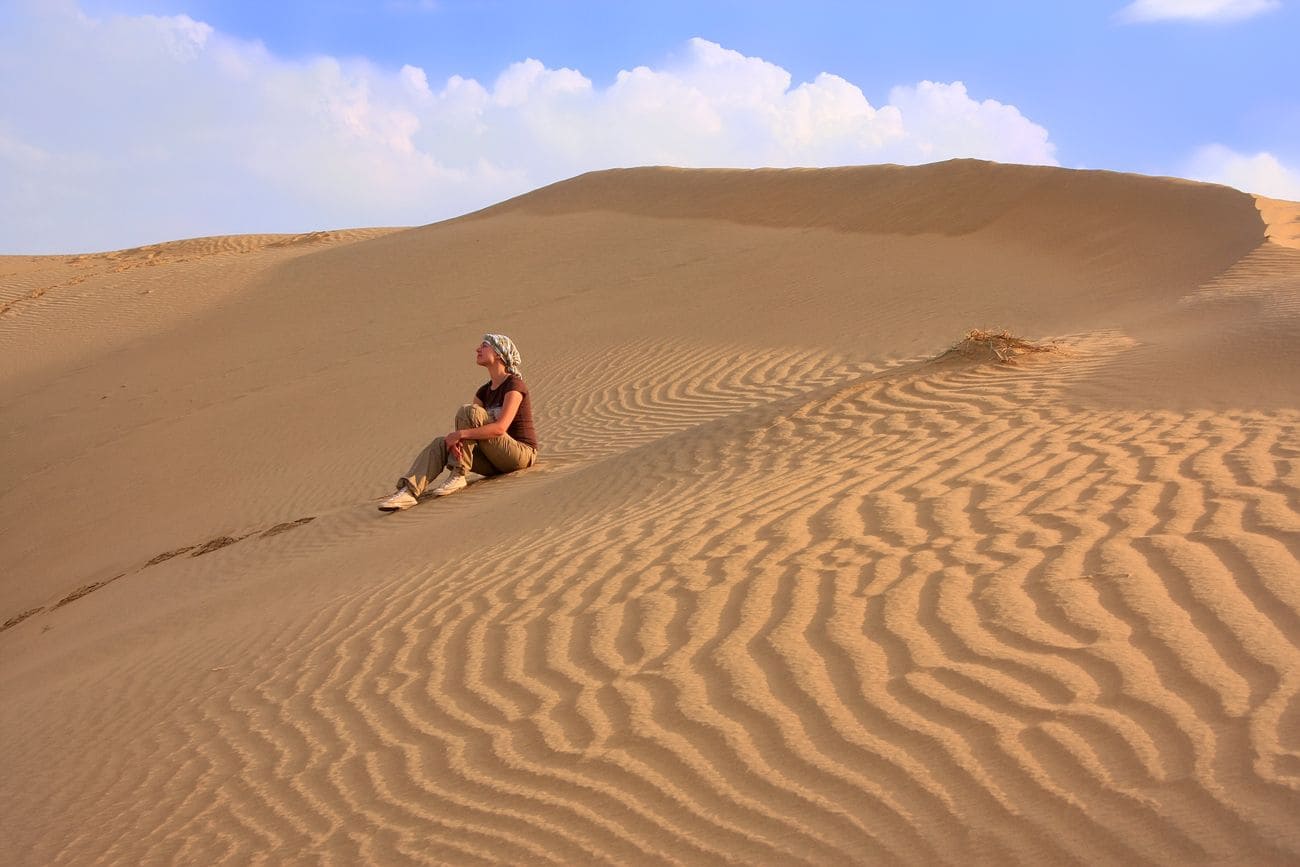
493,435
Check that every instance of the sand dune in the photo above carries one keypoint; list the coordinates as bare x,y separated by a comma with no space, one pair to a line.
792,583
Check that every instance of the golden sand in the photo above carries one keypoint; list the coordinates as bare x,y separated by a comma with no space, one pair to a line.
821,564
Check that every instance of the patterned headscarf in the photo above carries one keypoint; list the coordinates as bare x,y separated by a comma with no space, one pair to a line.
505,348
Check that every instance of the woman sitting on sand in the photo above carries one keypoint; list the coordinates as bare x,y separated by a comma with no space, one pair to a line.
493,435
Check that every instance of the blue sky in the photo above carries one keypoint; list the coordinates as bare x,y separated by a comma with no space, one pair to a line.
131,121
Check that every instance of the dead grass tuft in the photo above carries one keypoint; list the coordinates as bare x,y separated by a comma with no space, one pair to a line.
19,618
1002,347
214,545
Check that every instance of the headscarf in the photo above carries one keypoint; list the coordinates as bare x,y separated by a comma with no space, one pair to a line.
505,349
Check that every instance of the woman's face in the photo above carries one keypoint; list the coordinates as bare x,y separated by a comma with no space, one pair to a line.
484,354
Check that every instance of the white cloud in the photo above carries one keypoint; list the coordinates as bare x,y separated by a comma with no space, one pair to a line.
130,130
938,115
1141,11
1261,173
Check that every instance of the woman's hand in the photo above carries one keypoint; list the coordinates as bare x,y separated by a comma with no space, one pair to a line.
453,441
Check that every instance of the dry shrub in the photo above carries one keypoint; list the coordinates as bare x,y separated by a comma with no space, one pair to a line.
214,545
19,618
1000,346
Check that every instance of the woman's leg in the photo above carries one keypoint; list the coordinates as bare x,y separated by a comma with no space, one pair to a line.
506,454
482,465
468,416
426,467
436,457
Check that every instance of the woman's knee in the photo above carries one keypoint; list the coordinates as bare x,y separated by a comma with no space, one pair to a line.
471,415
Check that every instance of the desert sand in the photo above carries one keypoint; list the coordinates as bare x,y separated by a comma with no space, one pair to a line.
803,576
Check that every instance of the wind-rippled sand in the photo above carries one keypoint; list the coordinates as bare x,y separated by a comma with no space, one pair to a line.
793,582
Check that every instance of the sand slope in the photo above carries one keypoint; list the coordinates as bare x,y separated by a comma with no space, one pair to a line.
791,584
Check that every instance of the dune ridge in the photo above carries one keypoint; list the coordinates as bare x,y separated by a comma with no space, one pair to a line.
1282,220
794,582
1095,213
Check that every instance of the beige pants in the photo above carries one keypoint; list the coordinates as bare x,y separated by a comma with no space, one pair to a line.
486,457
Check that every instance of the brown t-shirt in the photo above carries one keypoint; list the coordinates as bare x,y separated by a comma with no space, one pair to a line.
521,429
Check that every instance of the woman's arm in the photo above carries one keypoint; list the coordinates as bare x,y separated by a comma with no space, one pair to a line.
509,406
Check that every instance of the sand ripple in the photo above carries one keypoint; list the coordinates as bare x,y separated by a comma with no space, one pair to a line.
790,585
919,616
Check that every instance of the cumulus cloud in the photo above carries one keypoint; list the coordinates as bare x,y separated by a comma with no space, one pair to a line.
1261,173
1141,11
135,129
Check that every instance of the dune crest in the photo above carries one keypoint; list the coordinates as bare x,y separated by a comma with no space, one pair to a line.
803,575
1282,219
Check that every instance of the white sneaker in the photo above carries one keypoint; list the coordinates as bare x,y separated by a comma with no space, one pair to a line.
457,482
398,501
